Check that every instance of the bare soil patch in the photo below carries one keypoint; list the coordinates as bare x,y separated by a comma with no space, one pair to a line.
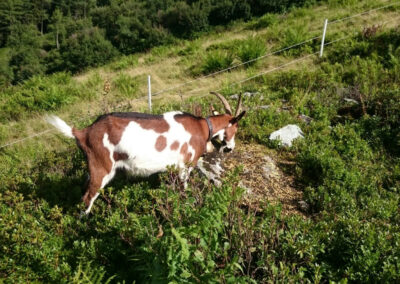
263,176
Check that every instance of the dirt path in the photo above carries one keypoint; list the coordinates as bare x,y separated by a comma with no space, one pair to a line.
262,177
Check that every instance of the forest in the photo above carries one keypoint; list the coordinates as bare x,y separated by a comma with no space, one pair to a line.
45,36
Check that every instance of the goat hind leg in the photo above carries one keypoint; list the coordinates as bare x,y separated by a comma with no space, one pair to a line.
96,182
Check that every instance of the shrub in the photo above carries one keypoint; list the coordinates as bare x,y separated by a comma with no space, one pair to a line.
251,49
292,36
216,60
86,48
226,11
265,21
40,94
184,21
126,85
260,7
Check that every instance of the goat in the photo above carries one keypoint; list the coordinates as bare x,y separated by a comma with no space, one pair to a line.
145,144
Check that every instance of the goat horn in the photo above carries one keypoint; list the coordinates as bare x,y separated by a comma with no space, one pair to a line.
239,106
224,101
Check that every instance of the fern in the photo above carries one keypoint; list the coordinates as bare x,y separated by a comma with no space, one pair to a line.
90,275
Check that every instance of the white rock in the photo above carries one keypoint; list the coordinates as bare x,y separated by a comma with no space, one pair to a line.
245,94
287,134
347,100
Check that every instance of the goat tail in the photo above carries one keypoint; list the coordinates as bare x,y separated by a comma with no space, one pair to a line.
60,124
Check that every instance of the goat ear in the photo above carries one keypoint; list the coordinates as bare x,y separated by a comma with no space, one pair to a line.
197,109
237,118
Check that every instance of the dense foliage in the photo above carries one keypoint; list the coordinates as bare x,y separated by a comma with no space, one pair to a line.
44,36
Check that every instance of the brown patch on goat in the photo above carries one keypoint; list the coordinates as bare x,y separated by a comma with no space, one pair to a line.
115,126
161,143
185,153
184,148
120,156
198,129
98,158
220,121
174,146
159,126
231,131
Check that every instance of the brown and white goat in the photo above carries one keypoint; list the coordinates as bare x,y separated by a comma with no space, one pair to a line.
145,144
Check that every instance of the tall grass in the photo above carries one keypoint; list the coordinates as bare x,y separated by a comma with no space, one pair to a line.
126,85
251,49
216,61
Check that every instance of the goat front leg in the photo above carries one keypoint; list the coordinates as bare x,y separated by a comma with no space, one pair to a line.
184,173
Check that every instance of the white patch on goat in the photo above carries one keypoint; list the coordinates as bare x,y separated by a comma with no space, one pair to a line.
231,143
184,174
111,148
220,134
139,145
91,203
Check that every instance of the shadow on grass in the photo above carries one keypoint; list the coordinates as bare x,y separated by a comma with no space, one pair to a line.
61,179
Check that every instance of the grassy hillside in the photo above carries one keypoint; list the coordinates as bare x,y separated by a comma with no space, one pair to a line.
347,166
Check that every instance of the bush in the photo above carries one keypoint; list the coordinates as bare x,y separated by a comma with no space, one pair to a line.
264,22
226,11
27,54
250,49
260,7
86,48
293,36
6,74
184,21
217,60
39,94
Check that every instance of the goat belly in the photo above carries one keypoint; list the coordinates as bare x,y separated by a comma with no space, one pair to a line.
140,165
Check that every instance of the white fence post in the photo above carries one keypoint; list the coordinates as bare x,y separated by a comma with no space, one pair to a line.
323,38
149,93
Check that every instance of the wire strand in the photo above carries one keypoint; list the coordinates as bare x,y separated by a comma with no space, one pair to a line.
363,13
26,138
237,65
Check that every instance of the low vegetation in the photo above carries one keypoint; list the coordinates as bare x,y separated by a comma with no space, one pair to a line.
145,230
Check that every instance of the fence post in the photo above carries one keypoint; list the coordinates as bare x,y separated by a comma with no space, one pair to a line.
323,38
149,88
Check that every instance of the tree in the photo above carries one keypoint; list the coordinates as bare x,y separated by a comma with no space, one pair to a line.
184,20
87,47
57,26
27,54
11,13
39,10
